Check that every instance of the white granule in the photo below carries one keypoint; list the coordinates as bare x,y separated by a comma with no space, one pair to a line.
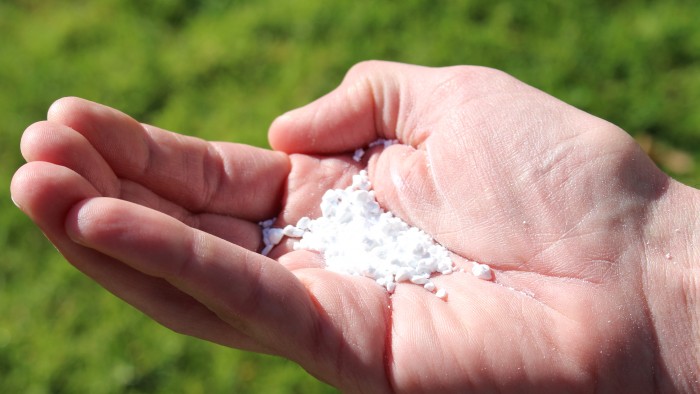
482,271
359,152
357,237
441,293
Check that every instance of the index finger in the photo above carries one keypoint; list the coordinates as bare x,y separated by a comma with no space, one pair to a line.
201,176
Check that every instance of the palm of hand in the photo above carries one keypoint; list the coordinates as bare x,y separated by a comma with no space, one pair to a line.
537,204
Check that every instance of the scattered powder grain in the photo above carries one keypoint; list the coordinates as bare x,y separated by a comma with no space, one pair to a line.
359,152
482,271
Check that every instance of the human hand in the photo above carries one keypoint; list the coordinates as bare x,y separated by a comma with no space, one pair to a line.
558,202
596,284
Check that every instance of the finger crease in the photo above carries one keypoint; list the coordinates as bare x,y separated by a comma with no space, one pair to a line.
213,158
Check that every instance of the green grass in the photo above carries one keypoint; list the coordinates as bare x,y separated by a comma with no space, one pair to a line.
223,70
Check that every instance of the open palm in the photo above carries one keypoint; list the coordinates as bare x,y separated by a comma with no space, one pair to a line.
555,200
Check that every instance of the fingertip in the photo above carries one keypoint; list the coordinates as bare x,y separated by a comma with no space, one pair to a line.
18,186
45,141
55,143
296,131
63,105
279,131
31,138
31,180
45,191
87,117
73,112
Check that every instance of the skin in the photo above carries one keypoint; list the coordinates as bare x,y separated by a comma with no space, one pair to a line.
596,274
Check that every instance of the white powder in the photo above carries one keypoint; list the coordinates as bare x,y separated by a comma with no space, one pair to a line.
357,237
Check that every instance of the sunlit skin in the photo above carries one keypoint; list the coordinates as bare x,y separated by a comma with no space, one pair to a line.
596,273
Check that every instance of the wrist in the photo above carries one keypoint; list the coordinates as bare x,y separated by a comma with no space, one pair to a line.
671,283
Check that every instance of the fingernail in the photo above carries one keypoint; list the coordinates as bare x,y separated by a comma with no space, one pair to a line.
289,115
15,202
284,118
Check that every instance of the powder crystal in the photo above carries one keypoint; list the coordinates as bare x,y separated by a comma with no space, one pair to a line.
482,271
359,152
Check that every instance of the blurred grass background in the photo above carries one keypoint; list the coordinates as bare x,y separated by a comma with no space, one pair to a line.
223,70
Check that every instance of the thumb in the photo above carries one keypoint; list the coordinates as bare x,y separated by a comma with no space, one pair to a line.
372,102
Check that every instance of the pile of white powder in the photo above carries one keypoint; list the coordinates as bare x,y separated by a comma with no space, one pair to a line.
357,237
